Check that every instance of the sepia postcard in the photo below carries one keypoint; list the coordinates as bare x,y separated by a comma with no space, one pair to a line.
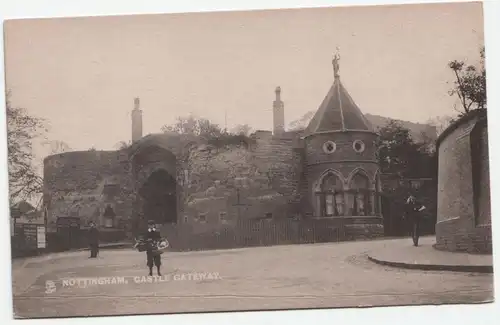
248,160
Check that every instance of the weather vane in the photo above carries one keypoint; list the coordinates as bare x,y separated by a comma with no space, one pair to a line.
335,62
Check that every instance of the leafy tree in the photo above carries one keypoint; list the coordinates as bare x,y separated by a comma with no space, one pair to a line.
398,154
402,158
183,125
243,129
426,144
209,131
393,146
195,126
22,130
469,85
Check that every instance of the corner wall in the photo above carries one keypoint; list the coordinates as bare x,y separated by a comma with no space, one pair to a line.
81,184
463,207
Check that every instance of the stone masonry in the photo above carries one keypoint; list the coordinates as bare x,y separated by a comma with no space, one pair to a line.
464,213
278,176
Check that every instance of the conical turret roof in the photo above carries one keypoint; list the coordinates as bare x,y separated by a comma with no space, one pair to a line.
338,111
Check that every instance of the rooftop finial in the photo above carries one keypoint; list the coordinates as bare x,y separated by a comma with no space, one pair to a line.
335,62
136,103
278,92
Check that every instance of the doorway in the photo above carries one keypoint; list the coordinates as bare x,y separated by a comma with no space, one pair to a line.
159,194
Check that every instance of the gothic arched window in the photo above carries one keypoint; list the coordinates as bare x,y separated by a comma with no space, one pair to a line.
331,200
378,192
359,198
109,217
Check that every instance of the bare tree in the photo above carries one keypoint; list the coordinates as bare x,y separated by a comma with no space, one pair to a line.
22,130
440,123
469,85
123,145
57,146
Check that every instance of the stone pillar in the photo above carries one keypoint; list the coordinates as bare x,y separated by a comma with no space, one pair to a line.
344,196
278,114
373,198
136,121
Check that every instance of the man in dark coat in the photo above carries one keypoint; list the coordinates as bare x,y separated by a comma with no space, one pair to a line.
153,237
414,210
93,240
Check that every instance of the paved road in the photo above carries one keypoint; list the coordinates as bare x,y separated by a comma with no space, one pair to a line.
298,276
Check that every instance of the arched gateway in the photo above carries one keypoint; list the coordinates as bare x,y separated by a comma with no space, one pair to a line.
327,173
159,197
154,170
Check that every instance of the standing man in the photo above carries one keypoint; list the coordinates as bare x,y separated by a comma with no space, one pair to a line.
153,238
93,240
414,210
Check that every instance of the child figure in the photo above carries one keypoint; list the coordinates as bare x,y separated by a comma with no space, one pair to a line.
152,238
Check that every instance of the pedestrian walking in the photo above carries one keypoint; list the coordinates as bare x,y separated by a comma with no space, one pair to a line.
93,237
413,215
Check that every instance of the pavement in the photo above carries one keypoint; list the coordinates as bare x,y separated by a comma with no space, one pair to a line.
261,278
426,257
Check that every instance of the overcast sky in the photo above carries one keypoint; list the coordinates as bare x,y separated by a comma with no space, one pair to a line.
82,74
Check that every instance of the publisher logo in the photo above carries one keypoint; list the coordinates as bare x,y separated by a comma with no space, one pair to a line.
50,287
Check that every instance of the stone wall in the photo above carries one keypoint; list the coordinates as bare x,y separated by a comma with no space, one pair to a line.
277,157
344,147
217,186
82,184
481,167
344,160
238,182
209,179
463,186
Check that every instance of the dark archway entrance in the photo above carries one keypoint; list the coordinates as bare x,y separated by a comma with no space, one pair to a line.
69,233
109,217
159,194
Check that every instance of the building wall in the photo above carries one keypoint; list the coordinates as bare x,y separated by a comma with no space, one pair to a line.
344,151
482,170
270,177
266,175
207,181
276,156
76,183
344,160
459,226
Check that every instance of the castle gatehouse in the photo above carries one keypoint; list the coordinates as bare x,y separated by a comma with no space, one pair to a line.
319,184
